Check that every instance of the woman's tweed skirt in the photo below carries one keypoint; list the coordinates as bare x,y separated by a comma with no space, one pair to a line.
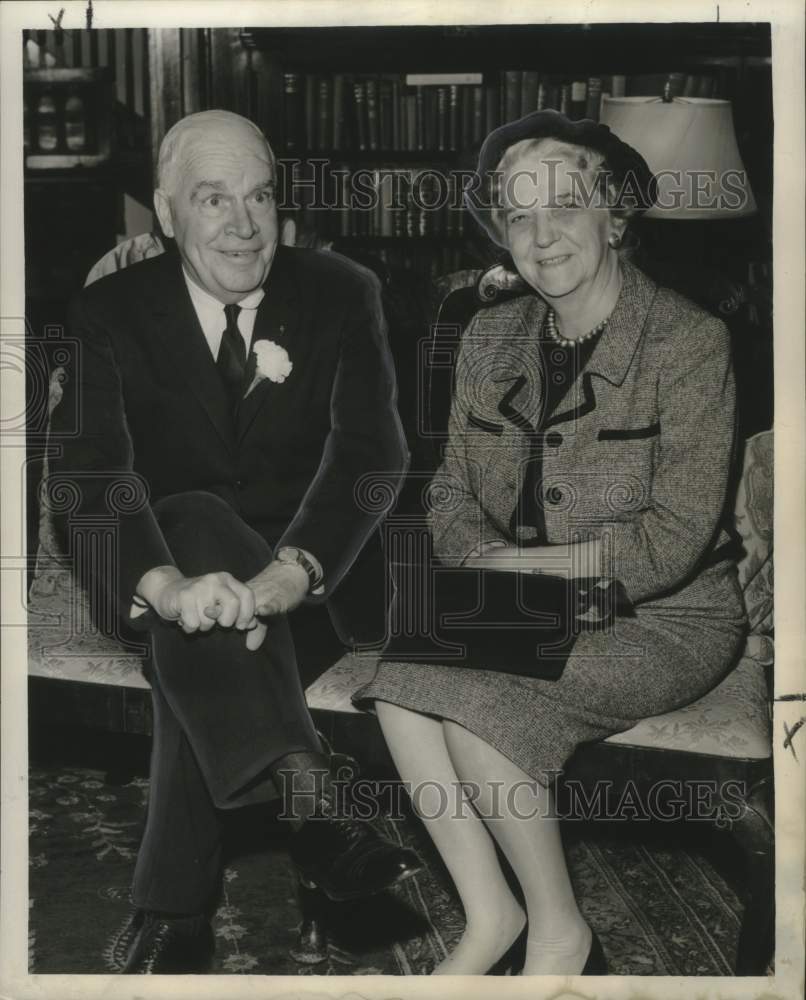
644,666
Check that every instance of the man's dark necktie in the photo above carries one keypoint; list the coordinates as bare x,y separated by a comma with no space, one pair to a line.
231,362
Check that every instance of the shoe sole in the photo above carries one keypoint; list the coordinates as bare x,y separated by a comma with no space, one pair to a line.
116,950
346,897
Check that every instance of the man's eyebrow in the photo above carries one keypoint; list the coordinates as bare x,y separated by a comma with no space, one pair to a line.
215,185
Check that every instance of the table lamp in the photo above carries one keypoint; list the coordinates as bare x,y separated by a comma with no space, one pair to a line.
690,145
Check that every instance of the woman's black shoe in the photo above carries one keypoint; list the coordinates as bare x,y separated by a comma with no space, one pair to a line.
346,858
596,963
161,944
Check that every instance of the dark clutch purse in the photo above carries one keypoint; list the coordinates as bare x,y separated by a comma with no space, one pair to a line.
482,619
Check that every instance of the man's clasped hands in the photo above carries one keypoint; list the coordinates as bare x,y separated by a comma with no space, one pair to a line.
200,603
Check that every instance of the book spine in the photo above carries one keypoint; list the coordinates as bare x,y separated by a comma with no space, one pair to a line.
542,95
360,117
411,211
310,112
442,119
465,117
565,99
512,95
291,111
396,115
529,92
324,117
579,94
399,212
419,97
453,136
386,114
431,119
594,99
386,192
491,104
373,123
338,111
618,85
442,79
412,117
344,228
477,130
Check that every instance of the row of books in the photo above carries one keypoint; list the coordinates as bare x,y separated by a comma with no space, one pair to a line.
390,201
388,113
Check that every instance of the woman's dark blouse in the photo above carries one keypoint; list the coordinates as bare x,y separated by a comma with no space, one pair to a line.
560,367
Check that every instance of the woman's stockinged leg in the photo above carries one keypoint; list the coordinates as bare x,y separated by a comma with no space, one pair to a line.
519,813
493,916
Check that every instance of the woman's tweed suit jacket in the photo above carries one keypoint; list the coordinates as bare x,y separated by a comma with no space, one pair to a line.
638,453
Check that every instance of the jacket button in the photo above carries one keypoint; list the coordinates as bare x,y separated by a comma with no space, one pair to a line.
239,484
554,439
554,495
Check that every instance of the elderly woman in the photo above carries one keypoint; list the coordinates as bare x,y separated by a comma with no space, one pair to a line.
591,434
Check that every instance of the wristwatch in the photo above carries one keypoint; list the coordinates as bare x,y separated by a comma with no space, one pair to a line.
291,554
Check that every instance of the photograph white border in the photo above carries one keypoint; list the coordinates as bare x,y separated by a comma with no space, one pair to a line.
787,19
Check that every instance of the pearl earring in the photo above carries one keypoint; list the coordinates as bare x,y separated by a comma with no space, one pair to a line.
614,240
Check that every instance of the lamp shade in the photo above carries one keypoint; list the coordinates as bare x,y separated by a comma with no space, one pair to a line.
690,146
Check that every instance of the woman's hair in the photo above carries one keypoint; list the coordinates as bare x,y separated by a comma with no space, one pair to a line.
586,160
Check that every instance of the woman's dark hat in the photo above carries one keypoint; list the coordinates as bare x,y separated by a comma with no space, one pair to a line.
634,181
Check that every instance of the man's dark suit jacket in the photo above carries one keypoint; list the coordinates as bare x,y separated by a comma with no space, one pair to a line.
153,412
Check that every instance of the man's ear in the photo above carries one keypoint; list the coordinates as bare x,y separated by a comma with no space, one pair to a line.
162,206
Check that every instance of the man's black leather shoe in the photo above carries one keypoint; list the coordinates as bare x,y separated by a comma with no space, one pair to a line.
346,858
160,944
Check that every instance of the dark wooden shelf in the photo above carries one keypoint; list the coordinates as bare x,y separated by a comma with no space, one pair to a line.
550,48
378,157
398,241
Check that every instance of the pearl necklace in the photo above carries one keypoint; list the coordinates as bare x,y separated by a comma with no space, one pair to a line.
553,332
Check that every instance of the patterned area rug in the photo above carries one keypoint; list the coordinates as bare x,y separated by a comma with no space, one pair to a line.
660,905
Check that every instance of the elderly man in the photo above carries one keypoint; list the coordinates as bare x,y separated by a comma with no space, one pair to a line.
242,389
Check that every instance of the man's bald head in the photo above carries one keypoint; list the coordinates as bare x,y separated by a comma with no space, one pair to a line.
205,126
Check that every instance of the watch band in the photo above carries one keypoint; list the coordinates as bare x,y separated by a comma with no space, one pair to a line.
291,554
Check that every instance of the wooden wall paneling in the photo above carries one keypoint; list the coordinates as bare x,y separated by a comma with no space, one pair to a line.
86,49
119,64
68,49
193,72
165,72
103,46
139,59
129,68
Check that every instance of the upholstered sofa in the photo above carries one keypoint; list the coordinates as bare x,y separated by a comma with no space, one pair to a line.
80,675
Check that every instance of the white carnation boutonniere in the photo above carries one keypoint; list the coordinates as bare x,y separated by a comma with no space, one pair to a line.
271,362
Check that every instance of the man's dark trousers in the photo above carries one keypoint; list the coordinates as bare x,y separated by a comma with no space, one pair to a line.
222,713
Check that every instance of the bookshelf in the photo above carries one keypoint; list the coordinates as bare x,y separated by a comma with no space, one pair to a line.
400,113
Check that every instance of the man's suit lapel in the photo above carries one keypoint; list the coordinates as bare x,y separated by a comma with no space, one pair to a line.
182,341
278,318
